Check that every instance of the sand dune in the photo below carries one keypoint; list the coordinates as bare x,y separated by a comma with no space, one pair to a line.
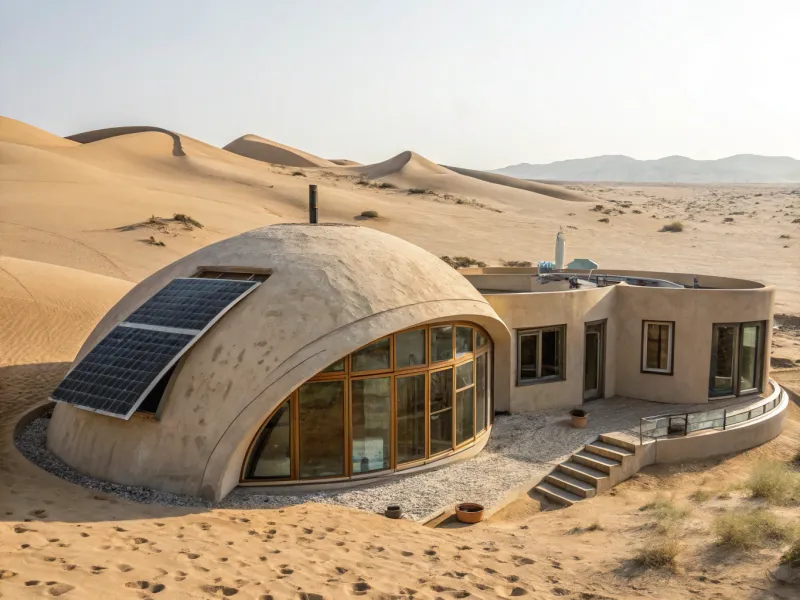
524,184
17,132
343,162
265,150
46,310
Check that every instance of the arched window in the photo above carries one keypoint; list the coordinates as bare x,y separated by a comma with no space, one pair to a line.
413,397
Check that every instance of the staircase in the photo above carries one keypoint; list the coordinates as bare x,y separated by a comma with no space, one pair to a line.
596,468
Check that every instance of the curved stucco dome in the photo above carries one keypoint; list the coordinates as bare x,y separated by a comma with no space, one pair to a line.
331,290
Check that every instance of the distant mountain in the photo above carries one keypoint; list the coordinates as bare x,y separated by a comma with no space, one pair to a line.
742,168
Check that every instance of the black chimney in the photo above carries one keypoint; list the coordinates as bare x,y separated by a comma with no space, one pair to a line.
312,203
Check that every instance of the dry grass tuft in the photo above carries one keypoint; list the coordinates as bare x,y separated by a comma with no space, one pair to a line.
462,262
370,214
660,552
154,242
754,528
188,221
674,227
298,174
700,495
419,191
517,263
665,509
792,555
774,482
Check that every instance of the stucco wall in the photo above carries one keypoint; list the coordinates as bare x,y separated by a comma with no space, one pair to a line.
573,309
694,312
332,290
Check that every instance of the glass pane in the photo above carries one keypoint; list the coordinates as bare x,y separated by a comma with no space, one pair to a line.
441,431
321,413
409,348
657,347
441,343
465,407
480,392
551,353
463,340
374,357
441,390
723,349
592,362
528,352
464,375
480,339
337,367
410,418
372,423
748,366
272,454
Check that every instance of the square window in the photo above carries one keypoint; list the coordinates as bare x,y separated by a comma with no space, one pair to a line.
540,354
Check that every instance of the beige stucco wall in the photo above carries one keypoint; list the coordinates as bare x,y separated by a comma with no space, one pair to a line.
573,309
694,312
332,290
625,307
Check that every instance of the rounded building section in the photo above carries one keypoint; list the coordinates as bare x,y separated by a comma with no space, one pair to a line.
338,353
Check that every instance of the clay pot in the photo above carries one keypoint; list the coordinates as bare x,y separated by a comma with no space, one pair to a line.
393,511
469,512
579,417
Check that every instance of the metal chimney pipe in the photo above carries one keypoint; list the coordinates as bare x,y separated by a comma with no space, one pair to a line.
312,203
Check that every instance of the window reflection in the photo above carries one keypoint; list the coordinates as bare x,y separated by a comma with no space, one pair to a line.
372,424
321,412
375,357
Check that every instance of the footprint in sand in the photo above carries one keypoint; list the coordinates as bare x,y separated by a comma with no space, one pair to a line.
192,555
97,570
125,568
59,589
39,513
361,587
407,553
120,529
138,585
140,540
219,590
6,574
32,582
517,592
286,570
522,560
69,567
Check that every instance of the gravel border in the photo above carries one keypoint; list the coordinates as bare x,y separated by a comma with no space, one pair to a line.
522,449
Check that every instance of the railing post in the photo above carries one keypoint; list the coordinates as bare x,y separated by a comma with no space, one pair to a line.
724,419
641,440
685,423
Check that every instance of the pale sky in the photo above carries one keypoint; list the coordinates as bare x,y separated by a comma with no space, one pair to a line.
479,84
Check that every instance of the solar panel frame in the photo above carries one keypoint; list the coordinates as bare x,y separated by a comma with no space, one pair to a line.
195,334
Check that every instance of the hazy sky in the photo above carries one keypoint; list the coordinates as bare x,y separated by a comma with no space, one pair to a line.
463,82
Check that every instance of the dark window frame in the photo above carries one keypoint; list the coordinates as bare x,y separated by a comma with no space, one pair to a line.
561,330
643,368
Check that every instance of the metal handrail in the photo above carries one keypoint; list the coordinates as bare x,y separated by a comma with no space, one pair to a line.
727,414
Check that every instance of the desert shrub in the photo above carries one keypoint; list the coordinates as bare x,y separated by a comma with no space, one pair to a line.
153,220
784,237
604,220
674,227
154,242
660,552
370,214
792,555
364,182
774,482
755,528
462,262
416,190
700,495
385,185
187,220
298,174
665,509
636,211
597,208
517,263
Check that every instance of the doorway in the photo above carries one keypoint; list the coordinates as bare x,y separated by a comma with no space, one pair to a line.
594,360
736,359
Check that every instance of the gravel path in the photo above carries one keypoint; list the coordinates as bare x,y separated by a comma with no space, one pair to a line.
522,449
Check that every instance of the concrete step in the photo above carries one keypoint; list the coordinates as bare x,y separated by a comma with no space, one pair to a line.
571,484
619,441
607,450
601,463
556,494
582,472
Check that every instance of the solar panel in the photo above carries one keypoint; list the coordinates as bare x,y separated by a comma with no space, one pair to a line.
115,377
189,303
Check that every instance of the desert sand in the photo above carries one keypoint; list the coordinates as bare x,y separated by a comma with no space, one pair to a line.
82,219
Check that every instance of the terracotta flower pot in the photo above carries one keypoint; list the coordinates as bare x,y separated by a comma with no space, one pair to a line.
393,511
579,417
469,512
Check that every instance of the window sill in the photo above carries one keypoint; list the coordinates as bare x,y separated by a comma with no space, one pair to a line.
541,381
654,372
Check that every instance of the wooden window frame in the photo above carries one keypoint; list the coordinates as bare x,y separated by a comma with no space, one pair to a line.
670,370
347,376
562,355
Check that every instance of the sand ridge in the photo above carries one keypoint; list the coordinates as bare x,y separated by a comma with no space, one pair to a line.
259,148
